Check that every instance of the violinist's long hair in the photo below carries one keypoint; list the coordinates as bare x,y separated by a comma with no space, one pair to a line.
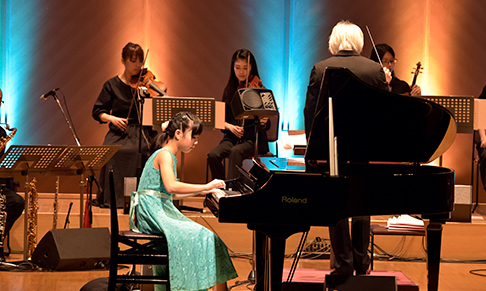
132,50
233,81
382,49
182,120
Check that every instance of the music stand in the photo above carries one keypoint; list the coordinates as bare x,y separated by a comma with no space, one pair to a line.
466,112
164,108
255,104
82,159
461,107
53,161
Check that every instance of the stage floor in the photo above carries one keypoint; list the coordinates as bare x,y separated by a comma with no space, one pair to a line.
463,250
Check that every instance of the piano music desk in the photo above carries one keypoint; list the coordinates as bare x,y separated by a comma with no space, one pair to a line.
377,229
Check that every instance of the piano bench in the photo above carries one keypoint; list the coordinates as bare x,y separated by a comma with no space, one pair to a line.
377,229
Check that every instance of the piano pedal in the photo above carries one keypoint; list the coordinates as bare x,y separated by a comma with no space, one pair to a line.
251,277
250,281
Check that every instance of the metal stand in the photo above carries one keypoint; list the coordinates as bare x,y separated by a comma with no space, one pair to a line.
53,161
69,123
475,163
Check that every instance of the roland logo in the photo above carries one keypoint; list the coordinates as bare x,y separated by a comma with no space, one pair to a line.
286,199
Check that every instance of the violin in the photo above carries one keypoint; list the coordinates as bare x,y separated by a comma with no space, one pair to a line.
416,73
253,82
146,79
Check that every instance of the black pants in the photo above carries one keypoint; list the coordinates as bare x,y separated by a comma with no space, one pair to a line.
482,164
235,153
351,252
15,207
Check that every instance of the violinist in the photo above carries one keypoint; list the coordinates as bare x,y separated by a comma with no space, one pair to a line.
116,105
238,141
387,57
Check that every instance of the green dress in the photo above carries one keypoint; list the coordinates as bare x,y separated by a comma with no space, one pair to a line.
198,259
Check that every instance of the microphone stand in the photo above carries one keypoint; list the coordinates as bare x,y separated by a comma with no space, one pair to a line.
67,119
66,222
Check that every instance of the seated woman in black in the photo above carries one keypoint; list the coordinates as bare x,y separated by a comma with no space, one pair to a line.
238,141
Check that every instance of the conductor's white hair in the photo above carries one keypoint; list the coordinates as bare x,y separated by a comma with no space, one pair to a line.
346,36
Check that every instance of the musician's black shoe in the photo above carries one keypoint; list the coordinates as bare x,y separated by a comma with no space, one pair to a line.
339,272
362,273
95,202
2,256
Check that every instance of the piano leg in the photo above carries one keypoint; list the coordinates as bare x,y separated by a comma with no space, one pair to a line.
434,239
276,252
260,259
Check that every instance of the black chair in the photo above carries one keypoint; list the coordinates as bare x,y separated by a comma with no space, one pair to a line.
127,250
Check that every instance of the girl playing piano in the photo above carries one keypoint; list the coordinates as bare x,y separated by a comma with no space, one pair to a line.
198,259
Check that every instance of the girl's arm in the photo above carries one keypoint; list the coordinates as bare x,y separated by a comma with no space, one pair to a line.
163,162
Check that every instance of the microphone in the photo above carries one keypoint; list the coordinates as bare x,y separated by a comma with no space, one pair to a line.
50,93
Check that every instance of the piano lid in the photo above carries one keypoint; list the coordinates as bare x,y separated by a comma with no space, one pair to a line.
375,125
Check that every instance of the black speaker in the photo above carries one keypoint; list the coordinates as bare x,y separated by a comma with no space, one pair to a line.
73,249
360,283
253,102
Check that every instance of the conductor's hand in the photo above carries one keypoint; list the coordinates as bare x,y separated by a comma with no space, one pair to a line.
119,122
388,75
216,184
237,130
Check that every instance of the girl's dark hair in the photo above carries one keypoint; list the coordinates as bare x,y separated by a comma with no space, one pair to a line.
233,81
382,49
132,50
182,120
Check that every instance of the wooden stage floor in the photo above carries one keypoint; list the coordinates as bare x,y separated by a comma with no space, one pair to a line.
463,250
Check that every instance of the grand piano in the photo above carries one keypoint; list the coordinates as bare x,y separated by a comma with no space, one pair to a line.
382,142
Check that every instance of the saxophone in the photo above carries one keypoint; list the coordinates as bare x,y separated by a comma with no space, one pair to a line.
3,221
55,204
3,198
32,219
5,139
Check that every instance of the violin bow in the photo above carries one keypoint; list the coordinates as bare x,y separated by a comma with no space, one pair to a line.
247,67
138,81
374,46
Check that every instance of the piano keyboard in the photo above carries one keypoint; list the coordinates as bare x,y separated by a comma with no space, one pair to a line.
230,192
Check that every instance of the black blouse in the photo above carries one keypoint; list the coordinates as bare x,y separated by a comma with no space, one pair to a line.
115,99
